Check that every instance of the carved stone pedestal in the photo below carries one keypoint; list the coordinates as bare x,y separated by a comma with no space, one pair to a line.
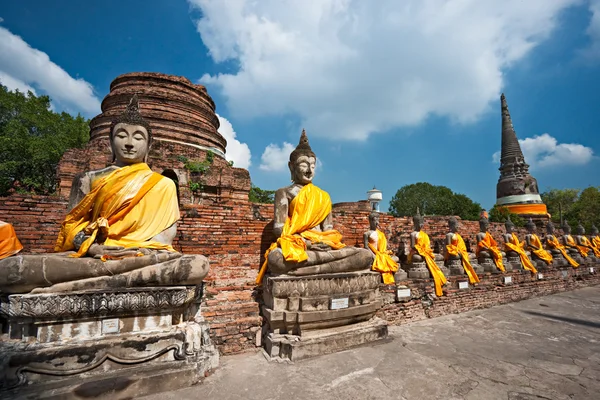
400,275
455,266
320,314
103,344
489,265
514,260
418,270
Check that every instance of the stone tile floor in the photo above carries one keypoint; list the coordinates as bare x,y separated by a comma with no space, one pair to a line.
542,348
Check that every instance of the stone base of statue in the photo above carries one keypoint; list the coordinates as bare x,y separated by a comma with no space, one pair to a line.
400,275
489,266
514,260
312,315
455,266
109,344
418,270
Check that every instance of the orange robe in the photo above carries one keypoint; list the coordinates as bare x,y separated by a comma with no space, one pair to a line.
570,242
588,246
596,245
307,210
423,247
540,252
515,245
9,243
488,243
128,207
458,247
383,260
553,243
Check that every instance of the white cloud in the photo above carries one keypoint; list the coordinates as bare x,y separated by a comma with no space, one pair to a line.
275,158
14,84
350,68
25,67
545,151
593,30
236,151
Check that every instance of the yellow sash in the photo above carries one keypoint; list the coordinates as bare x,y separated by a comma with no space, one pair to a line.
515,245
554,244
587,245
423,247
383,261
596,245
458,247
488,243
112,209
307,210
9,243
540,252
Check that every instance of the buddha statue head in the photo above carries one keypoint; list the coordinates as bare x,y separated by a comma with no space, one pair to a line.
550,228
509,225
579,230
418,221
373,220
302,162
530,226
130,136
594,230
453,224
484,223
566,228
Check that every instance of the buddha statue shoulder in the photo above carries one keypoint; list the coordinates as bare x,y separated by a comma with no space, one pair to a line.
120,228
306,242
9,243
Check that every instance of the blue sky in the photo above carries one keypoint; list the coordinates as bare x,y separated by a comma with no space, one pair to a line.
390,93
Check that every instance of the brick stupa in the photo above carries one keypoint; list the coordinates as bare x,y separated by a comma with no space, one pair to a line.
184,130
517,190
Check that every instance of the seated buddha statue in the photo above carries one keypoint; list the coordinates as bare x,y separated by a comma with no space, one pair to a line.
306,242
119,234
385,261
534,245
421,251
584,245
595,238
556,248
514,247
488,253
456,254
569,242
9,243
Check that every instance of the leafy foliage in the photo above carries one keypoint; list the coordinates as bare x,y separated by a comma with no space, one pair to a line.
33,138
433,200
197,168
258,195
576,205
500,214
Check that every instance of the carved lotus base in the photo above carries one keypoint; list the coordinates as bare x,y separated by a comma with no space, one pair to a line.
304,307
103,344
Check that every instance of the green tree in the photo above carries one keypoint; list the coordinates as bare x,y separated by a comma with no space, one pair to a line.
500,214
33,138
258,195
560,199
586,210
432,200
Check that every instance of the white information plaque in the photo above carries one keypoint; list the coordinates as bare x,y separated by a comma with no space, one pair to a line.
110,326
565,274
463,285
540,276
591,270
337,304
507,279
401,293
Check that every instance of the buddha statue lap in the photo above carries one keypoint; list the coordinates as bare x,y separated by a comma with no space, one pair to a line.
571,245
515,250
559,252
422,259
120,230
306,242
541,257
9,243
385,262
585,245
488,254
458,260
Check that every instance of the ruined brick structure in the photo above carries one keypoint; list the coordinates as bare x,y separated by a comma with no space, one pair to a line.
221,223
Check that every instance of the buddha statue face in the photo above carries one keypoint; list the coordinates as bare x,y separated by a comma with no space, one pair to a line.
373,221
580,230
509,226
550,228
530,226
129,144
418,223
566,229
483,225
302,169
594,230
453,225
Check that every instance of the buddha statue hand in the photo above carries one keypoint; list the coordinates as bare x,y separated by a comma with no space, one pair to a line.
98,251
317,246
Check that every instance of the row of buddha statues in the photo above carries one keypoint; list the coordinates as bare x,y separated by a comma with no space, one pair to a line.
123,219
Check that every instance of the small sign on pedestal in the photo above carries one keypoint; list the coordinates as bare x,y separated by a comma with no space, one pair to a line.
337,304
540,276
591,270
403,292
110,326
463,285
507,280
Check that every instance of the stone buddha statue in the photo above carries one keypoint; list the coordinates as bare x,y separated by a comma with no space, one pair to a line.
539,255
9,243
306,242
584,245
422,258
569,242
385,262
556,248
595,238
119,232
458,260
515,249
488,253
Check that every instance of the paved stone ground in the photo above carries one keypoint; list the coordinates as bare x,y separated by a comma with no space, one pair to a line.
543,348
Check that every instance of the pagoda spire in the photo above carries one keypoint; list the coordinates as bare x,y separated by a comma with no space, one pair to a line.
510,144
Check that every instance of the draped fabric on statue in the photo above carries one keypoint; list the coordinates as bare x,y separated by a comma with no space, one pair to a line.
383,260
596,245
128,207
9,243
589,246
535,209
571,243
540,252
553,243
307,210
515,245
457,247
488,243
423,247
